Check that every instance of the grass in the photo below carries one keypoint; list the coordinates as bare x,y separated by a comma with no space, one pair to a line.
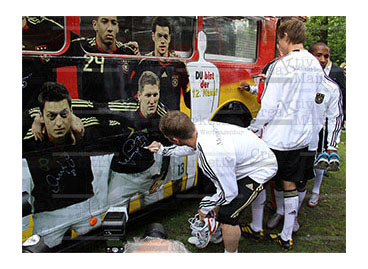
323,228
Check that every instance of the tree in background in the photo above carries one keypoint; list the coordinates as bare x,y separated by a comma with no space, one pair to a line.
332,31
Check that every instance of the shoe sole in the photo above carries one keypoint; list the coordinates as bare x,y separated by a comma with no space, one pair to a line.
313,205
323,165
334,166
216,241
277,241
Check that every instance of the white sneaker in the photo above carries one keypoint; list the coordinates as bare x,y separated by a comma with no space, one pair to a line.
313,201
274,220
216,237
193,240
203,231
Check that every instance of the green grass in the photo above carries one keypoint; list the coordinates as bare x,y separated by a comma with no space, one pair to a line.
323,229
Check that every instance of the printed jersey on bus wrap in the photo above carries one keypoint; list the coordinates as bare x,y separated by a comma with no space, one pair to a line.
62,175
38,34
100,78
133,132
173,77
42,34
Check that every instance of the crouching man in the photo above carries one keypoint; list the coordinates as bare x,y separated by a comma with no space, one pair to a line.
234,158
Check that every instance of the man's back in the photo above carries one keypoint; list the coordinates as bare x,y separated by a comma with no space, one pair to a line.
230,147
287,102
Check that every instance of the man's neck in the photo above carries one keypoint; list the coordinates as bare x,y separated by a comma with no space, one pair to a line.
327,68
192,142
105,48
157,54
57,142
293,47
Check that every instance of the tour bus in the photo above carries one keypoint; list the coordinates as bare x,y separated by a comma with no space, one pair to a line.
207,60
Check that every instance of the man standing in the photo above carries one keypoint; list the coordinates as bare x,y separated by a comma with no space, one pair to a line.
322,52
236,161
285,120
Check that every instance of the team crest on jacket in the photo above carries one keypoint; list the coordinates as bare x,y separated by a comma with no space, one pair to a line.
175,80
125,67
319,98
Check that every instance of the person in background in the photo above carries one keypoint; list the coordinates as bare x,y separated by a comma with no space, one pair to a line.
323,53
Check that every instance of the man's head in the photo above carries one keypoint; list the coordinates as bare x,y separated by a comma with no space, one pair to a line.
56,110
290,32
176,126
161,36
106,28
148,93
322,52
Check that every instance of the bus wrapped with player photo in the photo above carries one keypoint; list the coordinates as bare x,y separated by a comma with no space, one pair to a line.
93,92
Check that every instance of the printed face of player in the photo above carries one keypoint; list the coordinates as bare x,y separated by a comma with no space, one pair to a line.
148,100
322,54
161,38
106,29
57,117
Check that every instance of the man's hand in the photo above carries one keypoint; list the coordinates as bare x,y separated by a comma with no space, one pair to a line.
157,183
154,147
38,129
77,128
134,46
244,86
201,215
174,54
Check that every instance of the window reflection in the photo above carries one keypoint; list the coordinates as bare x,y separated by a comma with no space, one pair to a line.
43,33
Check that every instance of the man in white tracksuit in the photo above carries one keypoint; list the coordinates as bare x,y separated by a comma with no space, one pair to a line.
328,104
285,120
235,159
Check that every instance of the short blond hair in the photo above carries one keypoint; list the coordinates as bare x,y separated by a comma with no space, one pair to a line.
148,78
177,124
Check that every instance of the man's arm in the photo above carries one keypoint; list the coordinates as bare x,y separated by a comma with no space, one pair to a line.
159,180
334,115
179,151
270,99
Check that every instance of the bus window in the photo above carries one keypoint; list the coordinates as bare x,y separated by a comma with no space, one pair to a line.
43,33
231,39
182,34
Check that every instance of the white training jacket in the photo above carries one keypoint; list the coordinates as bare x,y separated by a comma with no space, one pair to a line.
227,153
287,103
328,103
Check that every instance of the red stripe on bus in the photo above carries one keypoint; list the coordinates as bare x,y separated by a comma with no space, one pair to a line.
68,76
